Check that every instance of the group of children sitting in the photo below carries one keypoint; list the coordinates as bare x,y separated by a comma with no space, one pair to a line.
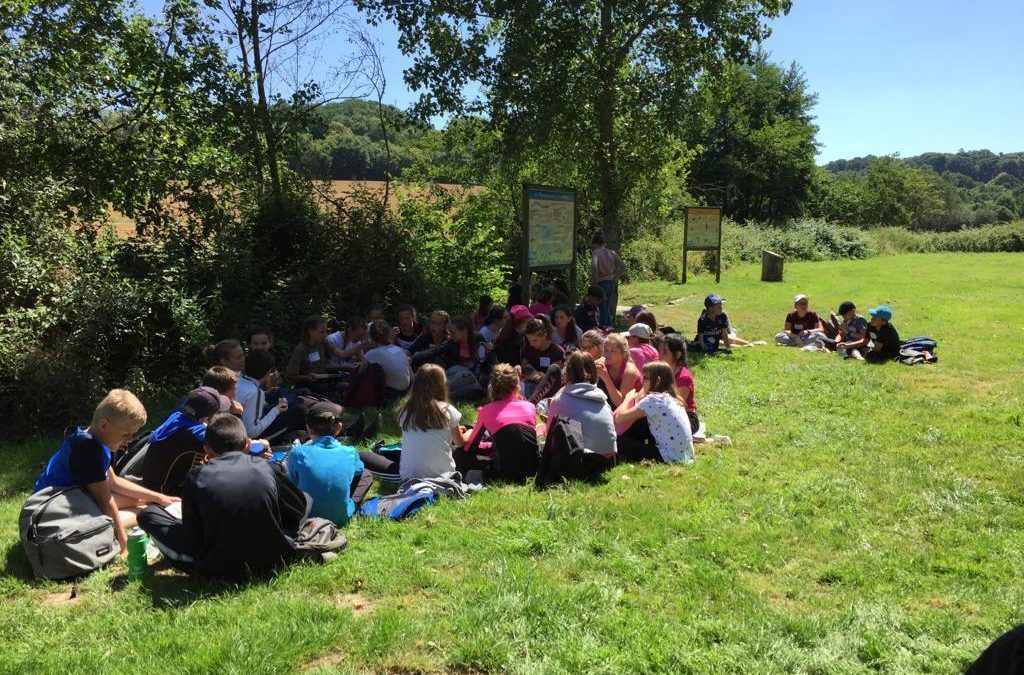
846,332
631,394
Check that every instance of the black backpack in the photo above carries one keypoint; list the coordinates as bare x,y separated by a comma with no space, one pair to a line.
128,462
564,456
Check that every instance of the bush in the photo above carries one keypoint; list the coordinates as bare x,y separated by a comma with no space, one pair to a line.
1008,238
806,239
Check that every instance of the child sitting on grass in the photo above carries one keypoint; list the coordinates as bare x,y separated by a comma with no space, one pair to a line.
408,328
640,348
84,457
541,297
392,359
665,411
346,346
261,418
588,313
483,310
177,444
542,360
492,326
329,472
802,328
852,331
224,381
240,514
885,341
430,429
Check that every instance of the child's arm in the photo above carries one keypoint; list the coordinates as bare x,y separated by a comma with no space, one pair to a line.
104,497
126,488
629,416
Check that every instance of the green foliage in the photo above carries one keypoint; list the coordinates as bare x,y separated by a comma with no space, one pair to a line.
929,192
602,88
755,133
1007,237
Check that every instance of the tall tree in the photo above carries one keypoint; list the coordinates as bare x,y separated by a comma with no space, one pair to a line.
755,134
583,74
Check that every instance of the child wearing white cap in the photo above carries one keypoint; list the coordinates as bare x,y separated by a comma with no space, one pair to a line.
802,328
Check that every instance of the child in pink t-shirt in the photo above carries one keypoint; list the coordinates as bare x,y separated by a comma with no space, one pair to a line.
506,406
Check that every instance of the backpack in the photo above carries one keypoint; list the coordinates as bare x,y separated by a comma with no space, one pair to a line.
319,539
365,387
65,534
128,463
564,456
399,505
917,350
516,454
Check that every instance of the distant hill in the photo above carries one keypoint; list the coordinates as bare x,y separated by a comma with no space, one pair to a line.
980,166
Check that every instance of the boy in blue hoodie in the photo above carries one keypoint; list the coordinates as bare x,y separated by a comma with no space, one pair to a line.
329,472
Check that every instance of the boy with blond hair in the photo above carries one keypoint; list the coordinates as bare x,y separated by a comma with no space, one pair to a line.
83,460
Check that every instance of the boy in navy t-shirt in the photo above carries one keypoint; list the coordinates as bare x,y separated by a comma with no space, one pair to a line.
713,326
83,460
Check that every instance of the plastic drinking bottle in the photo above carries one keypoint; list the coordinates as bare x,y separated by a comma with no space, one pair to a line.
137,563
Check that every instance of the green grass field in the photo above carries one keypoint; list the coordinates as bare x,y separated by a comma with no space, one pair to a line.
867,518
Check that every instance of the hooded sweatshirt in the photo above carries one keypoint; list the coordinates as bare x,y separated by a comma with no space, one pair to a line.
588,405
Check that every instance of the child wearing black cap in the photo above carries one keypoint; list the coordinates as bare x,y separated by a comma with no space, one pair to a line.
713,326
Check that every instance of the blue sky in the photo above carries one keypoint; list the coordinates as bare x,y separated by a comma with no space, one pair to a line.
892,76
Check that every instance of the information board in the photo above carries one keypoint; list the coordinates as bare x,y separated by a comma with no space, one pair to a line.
549,220
703,228
551,223
703,232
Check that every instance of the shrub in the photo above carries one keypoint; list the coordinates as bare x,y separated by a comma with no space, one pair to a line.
1008,237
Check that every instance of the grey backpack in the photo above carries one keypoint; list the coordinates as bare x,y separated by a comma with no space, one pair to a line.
65,534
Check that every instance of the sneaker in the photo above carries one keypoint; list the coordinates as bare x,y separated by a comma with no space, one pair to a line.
758,342
721,440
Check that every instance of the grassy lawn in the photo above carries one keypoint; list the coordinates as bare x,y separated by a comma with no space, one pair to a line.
865,519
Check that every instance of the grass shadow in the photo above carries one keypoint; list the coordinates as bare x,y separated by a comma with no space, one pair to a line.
169,588
16,565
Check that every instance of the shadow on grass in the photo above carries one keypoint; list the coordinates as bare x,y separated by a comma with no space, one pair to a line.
168,588
16,565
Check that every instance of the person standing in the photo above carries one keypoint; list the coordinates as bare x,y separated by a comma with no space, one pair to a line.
606,268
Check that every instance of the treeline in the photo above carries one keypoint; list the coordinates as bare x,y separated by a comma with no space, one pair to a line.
933,191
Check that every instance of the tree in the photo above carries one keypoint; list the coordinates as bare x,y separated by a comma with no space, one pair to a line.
755,134
605,80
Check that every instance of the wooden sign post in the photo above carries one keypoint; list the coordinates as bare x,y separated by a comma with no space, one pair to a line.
704,233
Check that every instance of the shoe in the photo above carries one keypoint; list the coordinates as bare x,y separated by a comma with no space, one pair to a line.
721,440
758,342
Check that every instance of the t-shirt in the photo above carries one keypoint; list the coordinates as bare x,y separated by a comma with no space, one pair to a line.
684,379
307,360
808,321
542,360
338,340
851,328
670,427
324,469
510,351
569,343
487,334
889,338
80,461
395,362
498,414
427,453
169,459
713,330
406,341
643,353
586,317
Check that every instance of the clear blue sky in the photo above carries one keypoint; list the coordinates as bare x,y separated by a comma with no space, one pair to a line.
903,76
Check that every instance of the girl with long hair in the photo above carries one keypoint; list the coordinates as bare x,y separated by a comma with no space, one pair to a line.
665,411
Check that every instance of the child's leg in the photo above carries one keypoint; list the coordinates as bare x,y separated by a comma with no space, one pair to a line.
168,533
381,466
361,483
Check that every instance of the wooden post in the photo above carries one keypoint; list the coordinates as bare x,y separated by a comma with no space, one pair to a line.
771,266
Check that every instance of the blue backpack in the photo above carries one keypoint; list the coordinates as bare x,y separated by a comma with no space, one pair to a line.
397,506
917,350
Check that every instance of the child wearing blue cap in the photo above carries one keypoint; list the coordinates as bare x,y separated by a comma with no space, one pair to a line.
714,331
885,341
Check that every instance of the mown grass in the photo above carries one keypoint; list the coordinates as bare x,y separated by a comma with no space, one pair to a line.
867,519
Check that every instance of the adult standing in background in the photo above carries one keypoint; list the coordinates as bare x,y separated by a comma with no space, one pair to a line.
606,268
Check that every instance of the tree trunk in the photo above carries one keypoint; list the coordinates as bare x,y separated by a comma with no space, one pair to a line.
608,185
263,109
242,32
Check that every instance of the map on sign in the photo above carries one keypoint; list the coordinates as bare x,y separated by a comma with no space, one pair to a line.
552,223
703,228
